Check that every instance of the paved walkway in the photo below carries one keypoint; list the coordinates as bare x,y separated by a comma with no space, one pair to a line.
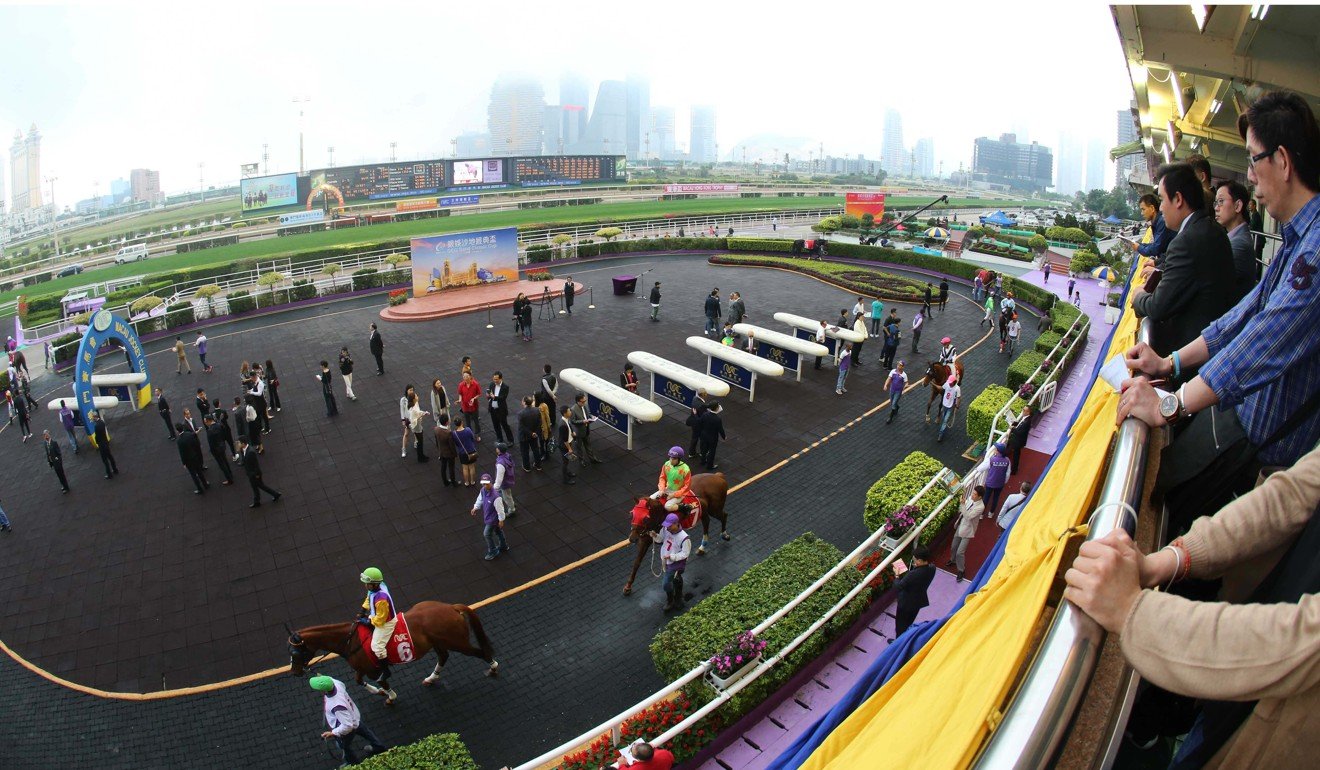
142,584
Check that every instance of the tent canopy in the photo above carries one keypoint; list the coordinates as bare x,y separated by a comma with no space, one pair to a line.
998,218
1112,220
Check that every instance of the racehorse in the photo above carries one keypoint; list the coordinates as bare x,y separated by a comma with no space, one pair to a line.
937,375
710,489
435,626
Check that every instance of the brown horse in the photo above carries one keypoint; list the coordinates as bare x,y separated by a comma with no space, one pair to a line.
435,626
937,375
710,489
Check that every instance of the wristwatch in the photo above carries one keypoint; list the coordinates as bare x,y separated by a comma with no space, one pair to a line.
1171,408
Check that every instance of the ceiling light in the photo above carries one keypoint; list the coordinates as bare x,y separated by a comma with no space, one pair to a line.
1202,15
1215,104
1168,154
1258,12
1195,141
1177,92
1172,133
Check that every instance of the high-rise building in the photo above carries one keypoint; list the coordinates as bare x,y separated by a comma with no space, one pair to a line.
1098,169
663,135
639,113
1127,133
516,115
1071,164
923,158
607,131
25,171
1005,161
120,190
3,201
701,144
144,184
573,100
552,130
893,153
472,144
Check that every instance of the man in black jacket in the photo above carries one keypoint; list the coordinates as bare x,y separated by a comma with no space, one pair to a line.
221,418
377,346
713,312
1196,285
582,419
912,586
102,437
497,404
55,459
655,302
190,452
215,440
566,446
569,290
698,407
252,467
710,429
529,435
164,407
1017,436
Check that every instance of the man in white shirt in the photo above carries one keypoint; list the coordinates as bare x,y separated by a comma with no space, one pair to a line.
949,404
344,719
820,340
675,547
918,321
1014,329
1013,505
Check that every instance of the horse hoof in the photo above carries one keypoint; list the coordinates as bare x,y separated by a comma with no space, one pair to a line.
627,590
725,536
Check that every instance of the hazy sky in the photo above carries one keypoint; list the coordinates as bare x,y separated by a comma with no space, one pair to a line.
113,86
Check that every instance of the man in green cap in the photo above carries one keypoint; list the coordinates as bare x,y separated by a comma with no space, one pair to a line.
378,612
343,719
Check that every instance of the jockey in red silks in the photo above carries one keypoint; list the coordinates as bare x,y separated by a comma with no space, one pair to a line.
675,483
378,612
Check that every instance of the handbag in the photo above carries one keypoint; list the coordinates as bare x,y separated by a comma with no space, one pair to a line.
1213,460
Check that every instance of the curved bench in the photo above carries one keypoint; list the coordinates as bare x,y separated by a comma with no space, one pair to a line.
601,393
676,382
781,348
738,367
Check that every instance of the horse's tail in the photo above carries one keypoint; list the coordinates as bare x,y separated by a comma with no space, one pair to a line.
474,623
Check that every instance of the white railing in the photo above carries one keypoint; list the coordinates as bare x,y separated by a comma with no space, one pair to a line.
614,724
1057,363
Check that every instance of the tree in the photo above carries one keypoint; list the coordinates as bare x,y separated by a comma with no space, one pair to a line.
206,293
271,279
330,270
609,233
1037,243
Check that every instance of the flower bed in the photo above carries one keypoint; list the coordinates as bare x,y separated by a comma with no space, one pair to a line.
891,493
443,750
649,724
882,582
869,281
398,297
539,275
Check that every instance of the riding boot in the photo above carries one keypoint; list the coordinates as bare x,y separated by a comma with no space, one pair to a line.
384,670
669,601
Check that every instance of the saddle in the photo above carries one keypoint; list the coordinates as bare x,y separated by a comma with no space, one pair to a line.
399,649
689,511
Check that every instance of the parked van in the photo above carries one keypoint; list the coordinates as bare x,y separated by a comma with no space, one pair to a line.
132,253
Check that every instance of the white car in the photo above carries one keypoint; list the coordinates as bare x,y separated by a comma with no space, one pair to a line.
134,253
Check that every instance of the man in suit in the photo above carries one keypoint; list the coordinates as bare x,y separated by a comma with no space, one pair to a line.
582,419
712,309
221,417
203,404
569,290
567,447
377,346
163,407
1257,224
55,459
1231,212
190,452
189,421
737,309
1197,284
215,440
529,434
252,467
497,404
698,407
102,437
710,426
1160,235
912,586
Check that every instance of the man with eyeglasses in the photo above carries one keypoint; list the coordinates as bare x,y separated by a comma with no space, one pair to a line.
1231,212
1262,357
1158,237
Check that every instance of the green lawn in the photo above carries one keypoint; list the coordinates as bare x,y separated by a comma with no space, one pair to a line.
375,235
150,220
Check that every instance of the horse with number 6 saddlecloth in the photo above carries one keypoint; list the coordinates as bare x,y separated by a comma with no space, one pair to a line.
937,375
435,626
709,491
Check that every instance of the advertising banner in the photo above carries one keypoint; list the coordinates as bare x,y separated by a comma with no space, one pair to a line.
785,358
268,192
478,172
302,217
454,260
459,200
859,203
608,415
423,205
730,373
803,334
694,188
677,392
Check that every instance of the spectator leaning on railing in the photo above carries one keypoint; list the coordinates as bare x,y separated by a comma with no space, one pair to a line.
1196,284
1160,236
1254,667
1262,358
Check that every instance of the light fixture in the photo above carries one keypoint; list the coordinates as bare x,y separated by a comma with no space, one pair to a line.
1202,15
1177,92
1168,154
1215,105
1172,133
1195,142
1258,11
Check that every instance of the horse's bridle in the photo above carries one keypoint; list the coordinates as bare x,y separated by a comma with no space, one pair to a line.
302,645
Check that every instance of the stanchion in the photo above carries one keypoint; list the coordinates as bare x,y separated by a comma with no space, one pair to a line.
489,323
591,298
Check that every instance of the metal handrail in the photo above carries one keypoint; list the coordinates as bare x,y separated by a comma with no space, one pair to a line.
1058,364
1037,720
614,724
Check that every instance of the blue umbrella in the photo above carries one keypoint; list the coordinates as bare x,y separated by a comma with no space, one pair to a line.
1104,273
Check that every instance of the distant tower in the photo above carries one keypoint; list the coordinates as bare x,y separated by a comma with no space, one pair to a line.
516,115
25,170
701,145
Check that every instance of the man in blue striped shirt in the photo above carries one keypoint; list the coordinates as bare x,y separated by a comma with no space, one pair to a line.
1263,356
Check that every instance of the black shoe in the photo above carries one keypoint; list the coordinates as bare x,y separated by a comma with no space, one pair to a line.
961,577
107,475
504,549
489,557
276,498
197,491
254,505
571,481
949,563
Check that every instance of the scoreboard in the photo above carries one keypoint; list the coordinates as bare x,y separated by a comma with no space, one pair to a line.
382,181
553,170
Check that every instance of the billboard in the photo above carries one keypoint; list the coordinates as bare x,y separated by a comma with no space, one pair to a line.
455,260
562,170
384,181
699,188
478,172
859,203
268,192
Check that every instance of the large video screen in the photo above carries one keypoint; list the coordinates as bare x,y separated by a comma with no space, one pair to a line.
551,170
382,181
488,171
268,192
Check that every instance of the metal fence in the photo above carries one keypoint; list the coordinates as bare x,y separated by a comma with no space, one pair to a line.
1056,368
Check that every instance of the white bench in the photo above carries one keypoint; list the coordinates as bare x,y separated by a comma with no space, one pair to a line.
785,341
677,383
633,406
736,360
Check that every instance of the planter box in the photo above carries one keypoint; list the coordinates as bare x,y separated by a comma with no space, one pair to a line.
891,543
723,683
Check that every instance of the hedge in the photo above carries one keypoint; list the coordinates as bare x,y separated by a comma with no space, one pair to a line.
1022,368
302,290
1046,341
1063,314
981,412
179,314
241,302
701,632
366,278
869,281
894,489
444,751
760,244
63,350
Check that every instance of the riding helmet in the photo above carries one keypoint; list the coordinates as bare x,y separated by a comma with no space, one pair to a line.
372,575
676,451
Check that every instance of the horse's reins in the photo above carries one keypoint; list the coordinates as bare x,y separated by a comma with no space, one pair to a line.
345,654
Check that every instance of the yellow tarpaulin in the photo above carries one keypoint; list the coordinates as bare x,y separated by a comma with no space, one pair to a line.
938,710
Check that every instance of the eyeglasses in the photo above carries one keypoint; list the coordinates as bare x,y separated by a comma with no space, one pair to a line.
1257,158
1219,203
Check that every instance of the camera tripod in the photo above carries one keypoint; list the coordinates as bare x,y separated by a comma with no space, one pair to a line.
546,306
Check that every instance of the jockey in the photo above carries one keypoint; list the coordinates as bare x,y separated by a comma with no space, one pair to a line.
378,612
675,482
948,353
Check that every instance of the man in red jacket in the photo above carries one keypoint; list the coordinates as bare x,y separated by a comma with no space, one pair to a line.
650,758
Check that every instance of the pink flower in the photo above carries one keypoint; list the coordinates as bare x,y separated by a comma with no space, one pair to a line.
739,659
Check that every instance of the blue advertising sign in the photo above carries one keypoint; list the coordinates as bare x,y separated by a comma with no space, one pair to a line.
459,200
677,392
608,415
302,217
803,334
730,373
785,358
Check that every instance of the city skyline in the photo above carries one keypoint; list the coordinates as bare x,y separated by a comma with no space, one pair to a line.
227,98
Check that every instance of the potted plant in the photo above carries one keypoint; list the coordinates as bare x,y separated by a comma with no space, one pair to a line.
897,525
1026,391
735,661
